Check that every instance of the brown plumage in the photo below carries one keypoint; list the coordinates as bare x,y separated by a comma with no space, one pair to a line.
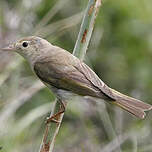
58,68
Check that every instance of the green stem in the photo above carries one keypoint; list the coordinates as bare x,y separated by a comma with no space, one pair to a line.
86,29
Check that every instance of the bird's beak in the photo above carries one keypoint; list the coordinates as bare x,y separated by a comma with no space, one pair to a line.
8,48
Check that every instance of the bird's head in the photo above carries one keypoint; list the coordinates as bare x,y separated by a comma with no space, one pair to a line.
29,47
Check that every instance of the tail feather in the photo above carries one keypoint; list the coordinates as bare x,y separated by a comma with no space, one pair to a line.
132,105
131,109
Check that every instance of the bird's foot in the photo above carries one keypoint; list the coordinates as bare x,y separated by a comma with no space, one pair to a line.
55,118
51,119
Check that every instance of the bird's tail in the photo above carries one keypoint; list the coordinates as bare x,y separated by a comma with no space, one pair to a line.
134,106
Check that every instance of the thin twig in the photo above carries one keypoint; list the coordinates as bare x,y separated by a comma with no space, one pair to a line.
8,70
79,51
108,124
18,101
32,115
114,144
59,26
52,12
86,28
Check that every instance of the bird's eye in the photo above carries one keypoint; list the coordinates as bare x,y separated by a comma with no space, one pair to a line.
25,44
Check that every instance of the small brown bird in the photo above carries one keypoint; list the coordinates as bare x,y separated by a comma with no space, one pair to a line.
65,74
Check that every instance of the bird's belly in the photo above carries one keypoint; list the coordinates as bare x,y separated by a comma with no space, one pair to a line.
70,96
62,94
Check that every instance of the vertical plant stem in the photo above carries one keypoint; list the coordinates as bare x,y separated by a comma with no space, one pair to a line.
86,28
79,51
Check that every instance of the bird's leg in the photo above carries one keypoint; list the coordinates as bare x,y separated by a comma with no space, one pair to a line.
55,117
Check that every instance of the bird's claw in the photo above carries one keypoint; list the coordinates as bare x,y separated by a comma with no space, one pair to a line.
51,119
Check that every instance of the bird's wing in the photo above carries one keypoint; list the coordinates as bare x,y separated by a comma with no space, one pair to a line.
66,76
94,79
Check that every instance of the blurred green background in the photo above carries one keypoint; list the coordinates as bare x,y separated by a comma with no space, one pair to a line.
120,52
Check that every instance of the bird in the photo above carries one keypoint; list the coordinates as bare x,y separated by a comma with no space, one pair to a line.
66,75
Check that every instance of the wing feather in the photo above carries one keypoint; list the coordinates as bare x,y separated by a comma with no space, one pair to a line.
94,79
66,77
